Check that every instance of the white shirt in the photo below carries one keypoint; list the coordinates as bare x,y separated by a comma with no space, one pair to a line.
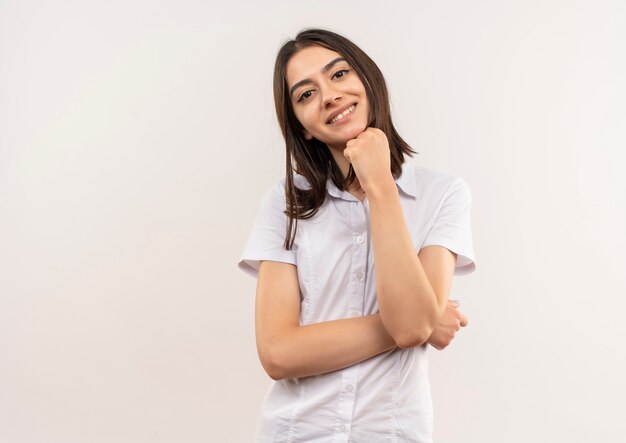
387,397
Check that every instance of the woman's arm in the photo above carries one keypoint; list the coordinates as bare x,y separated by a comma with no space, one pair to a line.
288,350
412,289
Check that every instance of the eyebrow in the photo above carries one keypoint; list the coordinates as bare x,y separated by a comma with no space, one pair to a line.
308,80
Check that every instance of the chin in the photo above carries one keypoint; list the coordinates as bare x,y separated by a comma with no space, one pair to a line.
354,132
349,134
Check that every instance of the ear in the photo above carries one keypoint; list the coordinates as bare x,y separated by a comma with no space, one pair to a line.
307,134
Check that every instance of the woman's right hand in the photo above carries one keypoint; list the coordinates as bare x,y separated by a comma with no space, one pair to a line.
450,322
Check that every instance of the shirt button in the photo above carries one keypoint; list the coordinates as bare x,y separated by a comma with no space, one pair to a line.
342,428
349,388
360,239
359,275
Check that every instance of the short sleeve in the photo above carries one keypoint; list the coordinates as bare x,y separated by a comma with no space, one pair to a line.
266,241
452,226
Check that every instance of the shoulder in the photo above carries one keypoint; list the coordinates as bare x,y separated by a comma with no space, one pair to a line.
274,196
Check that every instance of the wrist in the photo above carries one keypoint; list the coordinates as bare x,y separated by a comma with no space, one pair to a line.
381,188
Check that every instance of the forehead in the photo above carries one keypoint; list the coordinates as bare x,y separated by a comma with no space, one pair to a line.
308,62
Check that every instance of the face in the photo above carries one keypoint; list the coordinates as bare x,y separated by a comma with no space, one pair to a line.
328,97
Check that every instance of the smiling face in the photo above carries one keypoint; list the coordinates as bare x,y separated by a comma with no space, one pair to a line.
327,96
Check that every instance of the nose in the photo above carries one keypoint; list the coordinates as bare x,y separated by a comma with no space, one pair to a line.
331,94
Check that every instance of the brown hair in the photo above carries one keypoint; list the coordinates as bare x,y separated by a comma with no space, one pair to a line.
312,158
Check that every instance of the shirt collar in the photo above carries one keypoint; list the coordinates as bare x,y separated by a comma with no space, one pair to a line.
406,183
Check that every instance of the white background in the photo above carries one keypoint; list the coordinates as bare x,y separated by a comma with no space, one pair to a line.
137,138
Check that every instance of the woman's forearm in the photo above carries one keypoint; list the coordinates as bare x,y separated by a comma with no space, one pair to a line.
328,346
408,305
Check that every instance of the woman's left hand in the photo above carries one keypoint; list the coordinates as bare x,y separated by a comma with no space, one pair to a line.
449,324
370,157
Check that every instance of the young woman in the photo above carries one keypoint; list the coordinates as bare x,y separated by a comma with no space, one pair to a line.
354,253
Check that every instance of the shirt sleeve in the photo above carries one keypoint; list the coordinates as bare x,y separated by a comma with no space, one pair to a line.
452,227
266,241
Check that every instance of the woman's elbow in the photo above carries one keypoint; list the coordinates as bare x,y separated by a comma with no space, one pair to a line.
274,372
413,332
271,368
412,338
274,363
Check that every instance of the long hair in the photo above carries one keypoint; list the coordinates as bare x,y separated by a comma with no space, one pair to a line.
312,158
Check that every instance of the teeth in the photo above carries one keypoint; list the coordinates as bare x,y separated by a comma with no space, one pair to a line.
343,114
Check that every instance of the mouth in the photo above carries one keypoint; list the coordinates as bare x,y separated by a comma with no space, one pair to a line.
340,116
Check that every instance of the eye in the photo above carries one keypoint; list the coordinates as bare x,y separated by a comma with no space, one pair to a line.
342,72
304,95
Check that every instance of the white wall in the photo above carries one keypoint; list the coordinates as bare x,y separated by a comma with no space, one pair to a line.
137,138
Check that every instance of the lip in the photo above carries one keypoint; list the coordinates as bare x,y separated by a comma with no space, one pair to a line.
339,111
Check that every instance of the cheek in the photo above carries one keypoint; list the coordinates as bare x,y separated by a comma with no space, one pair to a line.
306,118
358,86
366,108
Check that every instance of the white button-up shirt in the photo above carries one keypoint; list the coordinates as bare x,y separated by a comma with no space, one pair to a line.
387,397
